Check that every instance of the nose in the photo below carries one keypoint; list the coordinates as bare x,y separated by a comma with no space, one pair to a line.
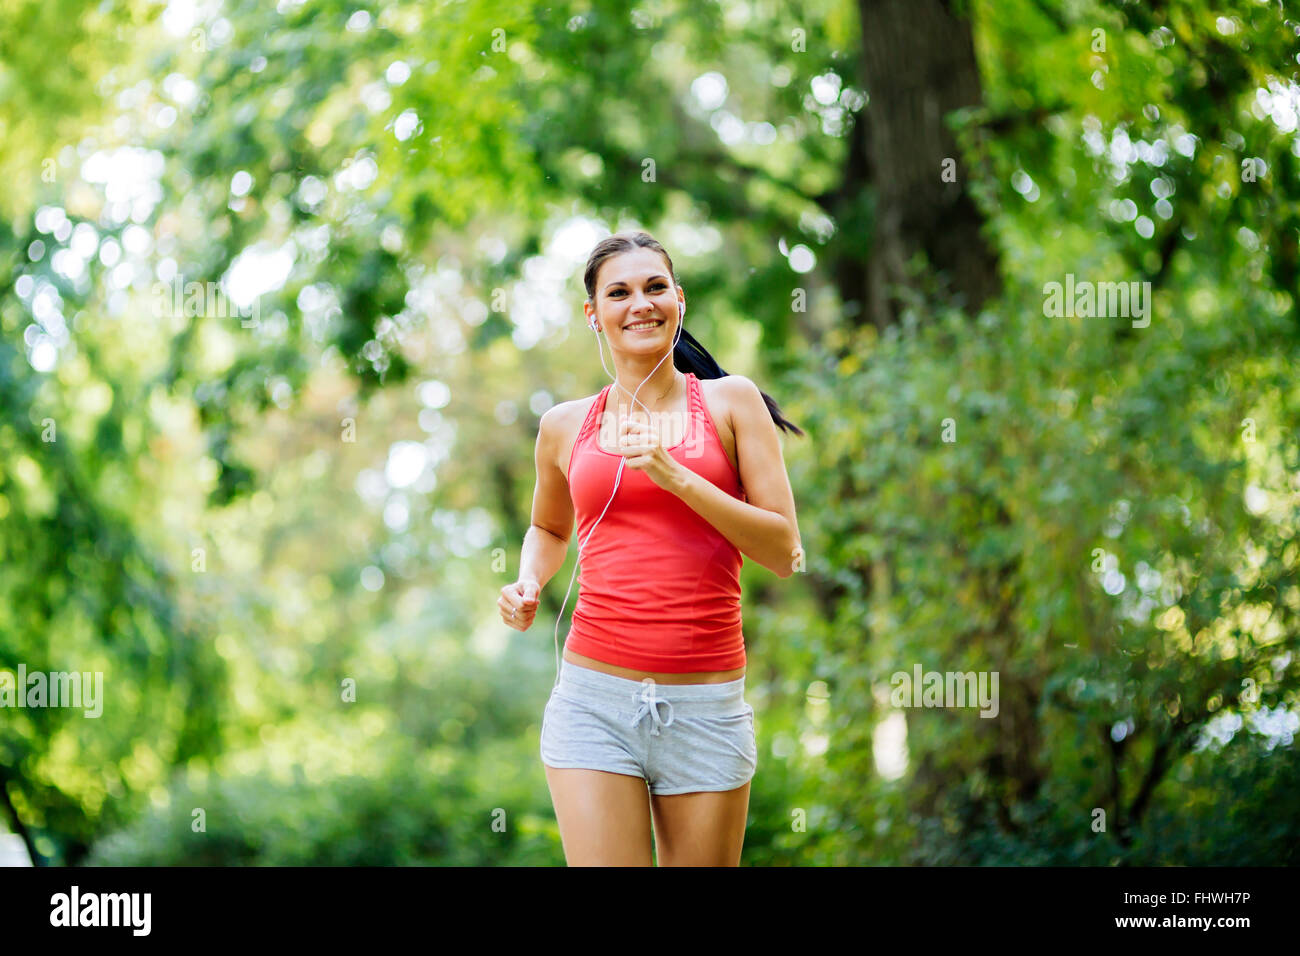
640,303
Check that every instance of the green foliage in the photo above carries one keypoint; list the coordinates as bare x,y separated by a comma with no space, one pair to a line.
990,550
1104,514
1199,829
405,813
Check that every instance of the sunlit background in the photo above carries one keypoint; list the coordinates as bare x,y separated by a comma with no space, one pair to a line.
286,287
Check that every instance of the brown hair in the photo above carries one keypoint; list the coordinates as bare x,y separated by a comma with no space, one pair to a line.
688,355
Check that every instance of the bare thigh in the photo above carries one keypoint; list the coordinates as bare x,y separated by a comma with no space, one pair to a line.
700,829
604,817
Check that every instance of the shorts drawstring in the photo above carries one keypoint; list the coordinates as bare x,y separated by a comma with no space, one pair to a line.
649,704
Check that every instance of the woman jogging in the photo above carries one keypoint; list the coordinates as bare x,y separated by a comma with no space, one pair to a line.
674,470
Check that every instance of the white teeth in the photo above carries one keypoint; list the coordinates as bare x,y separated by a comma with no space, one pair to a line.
643,325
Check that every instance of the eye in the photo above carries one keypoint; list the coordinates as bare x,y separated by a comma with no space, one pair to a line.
657,287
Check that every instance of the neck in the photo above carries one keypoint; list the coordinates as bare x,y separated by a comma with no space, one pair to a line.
658,389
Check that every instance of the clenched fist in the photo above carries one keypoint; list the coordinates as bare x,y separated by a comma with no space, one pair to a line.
518,603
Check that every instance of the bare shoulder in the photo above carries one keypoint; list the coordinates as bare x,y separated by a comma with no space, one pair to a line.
729,393
562,413
559,426
734,385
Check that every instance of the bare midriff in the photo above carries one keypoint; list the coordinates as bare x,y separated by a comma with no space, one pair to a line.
699,677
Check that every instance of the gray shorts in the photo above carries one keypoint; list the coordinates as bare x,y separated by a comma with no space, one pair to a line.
679,738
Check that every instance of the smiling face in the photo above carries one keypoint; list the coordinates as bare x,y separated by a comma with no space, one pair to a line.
633,289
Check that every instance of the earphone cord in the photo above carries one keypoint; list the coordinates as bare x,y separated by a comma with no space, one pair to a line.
617,478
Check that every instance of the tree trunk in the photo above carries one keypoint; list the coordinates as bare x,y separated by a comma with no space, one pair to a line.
918,65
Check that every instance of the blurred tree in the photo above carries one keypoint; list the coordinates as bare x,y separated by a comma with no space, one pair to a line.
408,192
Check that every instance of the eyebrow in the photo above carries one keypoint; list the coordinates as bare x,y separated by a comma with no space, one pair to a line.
621,282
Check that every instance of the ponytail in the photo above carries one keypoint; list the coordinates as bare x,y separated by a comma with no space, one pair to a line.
690,356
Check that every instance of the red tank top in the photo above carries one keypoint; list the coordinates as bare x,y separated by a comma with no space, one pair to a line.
659,587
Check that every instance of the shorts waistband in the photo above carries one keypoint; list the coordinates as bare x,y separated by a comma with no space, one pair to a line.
623,693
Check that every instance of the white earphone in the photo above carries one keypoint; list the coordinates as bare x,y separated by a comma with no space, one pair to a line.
591,323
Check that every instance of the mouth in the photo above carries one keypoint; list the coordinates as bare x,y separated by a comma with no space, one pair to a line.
643,326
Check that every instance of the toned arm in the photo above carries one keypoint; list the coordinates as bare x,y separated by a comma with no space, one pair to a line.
765,527
547,541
